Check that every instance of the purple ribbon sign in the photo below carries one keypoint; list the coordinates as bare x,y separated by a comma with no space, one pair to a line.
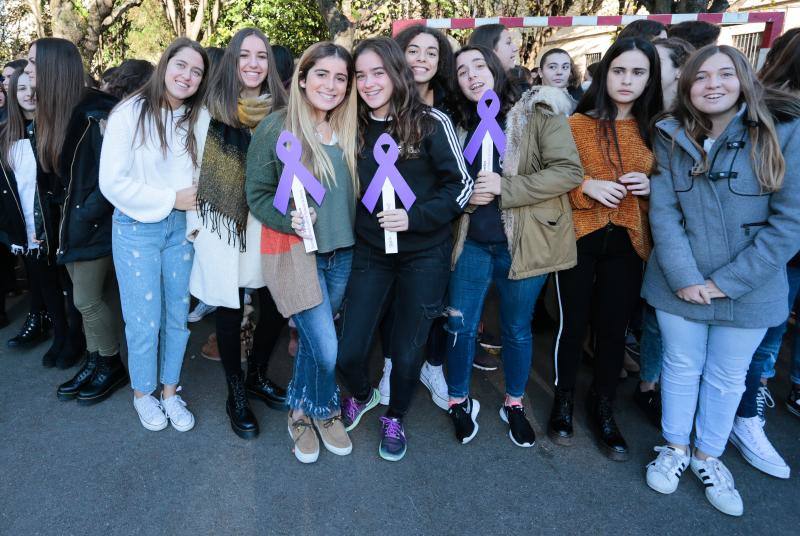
292,167
387,170
488,114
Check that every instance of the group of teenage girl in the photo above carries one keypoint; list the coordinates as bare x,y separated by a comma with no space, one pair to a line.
671,177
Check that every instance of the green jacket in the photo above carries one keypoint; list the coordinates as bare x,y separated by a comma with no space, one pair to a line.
540,166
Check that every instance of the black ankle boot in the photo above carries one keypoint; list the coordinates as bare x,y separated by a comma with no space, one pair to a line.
51,355
32,331
608,436
261,387
109,376
69,389
71,352
243,422
559,428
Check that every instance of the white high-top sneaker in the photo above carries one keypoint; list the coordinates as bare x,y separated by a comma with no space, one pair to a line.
384,386
748,436
433,378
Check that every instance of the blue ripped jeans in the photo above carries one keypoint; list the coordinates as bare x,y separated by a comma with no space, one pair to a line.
313,387
479,266
153,262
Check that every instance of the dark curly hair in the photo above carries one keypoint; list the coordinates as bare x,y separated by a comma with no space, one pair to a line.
128,77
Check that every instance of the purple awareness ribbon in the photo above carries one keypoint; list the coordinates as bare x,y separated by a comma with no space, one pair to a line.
292,167
387,170
488,115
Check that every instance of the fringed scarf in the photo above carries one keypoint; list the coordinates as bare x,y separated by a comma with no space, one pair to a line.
221,198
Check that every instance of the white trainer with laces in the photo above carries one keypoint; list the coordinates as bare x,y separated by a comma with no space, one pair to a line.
201,311
150,412
748,436
180,417
720,489
433,378
664,473
384,387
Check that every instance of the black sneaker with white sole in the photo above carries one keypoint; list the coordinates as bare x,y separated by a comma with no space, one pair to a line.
519,429
465,419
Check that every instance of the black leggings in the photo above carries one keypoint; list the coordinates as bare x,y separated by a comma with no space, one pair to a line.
49,285
8,279
267,333
603,288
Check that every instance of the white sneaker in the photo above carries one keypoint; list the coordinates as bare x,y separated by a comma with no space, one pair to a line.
748,436
200,311
180,417
764,400
433,378
664,473
720,490
384,386
151,415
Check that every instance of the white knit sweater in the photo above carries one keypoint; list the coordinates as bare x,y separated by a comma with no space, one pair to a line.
138,178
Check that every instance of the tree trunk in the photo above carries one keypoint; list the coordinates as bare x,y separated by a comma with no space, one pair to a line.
339,26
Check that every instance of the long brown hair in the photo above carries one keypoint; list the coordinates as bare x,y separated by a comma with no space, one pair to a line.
300,115
224,89
782,68
59,86
13,129
762,104
409,120
153,97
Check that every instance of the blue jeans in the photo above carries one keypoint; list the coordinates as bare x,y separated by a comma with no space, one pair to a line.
650,347
763,364
313,387
478,266
702,379
153,262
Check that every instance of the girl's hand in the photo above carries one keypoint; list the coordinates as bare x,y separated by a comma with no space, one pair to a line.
297,223
698,294
393,220
637,183
186,199
713,290
606,193
480,199
488,183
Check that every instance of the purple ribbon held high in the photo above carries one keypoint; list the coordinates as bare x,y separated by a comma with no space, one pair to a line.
387,171
487,111
289,151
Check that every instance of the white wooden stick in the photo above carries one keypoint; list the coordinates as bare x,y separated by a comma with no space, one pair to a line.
389,237
487,153
301,203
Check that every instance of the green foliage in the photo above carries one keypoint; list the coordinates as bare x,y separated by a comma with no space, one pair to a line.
143,33
295,25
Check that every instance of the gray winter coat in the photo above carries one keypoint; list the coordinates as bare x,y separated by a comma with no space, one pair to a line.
720,226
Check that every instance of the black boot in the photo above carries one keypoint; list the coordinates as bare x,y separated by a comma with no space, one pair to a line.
650,403
51,355
69,390
33,331
71,352
259,386
608,436
559,428
243,422
109,376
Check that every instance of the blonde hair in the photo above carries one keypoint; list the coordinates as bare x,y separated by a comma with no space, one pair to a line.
762,104
343,120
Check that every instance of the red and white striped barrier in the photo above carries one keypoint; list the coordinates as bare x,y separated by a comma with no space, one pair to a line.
773,22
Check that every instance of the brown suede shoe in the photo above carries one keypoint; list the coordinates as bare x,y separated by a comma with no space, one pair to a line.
306,444
334,436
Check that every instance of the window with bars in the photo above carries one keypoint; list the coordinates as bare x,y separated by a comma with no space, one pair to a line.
749,44
592,57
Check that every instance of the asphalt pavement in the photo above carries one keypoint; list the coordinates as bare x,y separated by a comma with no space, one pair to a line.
66,469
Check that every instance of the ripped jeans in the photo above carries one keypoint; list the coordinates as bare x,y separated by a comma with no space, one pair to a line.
415,282
479,266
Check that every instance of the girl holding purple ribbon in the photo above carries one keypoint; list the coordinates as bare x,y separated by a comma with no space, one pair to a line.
516,230
319,125
246,88
415,147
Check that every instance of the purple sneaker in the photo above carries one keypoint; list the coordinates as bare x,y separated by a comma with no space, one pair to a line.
353,410
393,443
